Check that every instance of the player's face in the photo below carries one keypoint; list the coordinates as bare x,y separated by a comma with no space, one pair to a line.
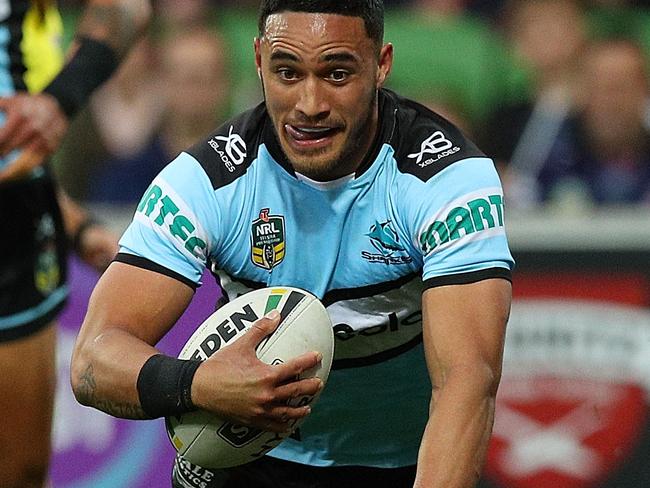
320,75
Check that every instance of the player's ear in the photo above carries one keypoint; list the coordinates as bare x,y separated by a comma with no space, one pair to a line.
385,64
258,56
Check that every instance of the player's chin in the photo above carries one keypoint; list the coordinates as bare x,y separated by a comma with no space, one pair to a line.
319,167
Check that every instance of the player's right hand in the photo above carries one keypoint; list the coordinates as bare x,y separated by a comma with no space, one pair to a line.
234,384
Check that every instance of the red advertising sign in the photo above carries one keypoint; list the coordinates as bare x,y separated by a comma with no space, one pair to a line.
572,409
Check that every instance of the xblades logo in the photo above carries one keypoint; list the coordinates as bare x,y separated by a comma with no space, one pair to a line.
234,151
385,240
436,143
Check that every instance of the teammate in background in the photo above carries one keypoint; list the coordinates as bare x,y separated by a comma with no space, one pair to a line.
381,208
35,216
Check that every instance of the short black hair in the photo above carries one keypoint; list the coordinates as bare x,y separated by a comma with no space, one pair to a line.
371,11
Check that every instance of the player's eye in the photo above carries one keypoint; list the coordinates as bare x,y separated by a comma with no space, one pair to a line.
339,75
287,74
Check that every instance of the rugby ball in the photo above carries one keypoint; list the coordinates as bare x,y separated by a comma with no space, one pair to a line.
211,442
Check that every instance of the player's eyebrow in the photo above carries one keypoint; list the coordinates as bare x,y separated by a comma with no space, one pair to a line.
284,56
343,57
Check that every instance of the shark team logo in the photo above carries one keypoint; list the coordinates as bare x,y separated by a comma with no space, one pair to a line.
385,240
267,240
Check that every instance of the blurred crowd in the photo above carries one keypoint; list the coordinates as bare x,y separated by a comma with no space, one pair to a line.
555,91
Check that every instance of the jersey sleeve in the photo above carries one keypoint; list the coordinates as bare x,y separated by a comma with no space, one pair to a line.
172,231
456,222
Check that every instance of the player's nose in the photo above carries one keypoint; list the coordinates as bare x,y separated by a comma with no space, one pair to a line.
312,100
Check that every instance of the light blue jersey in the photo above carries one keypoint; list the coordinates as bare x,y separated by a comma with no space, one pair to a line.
425,209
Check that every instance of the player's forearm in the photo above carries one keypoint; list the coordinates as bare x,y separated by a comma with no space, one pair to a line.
455,441
105,370
129,311
118,23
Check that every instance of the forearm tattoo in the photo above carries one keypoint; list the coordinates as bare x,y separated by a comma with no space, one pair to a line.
113,24
87,394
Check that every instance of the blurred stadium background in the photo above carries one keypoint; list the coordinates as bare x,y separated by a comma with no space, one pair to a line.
555,90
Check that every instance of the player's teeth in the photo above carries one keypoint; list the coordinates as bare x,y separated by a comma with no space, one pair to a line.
313,129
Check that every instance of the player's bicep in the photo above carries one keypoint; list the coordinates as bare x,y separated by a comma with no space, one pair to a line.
139,302
464,328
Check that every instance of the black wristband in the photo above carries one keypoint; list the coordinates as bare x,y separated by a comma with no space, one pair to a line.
165,386
92,64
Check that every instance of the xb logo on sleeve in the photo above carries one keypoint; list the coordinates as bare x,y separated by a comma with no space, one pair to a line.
232,151
436,144
267,240
385,240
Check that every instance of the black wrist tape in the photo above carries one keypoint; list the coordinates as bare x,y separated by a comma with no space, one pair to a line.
92,64
165,386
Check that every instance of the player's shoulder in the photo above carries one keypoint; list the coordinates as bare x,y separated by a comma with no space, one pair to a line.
227,153
424,142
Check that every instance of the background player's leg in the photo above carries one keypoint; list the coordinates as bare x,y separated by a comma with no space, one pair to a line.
27,382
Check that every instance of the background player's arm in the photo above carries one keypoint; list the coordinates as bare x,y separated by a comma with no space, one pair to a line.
37,122
118,23
464,332
92,241
130,310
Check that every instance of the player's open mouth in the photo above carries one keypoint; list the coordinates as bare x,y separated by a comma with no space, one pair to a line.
310,137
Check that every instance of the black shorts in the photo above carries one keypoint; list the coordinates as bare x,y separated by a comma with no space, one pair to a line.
33,257
268,472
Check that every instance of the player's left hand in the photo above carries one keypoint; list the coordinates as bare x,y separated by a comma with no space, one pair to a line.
97,246
35,124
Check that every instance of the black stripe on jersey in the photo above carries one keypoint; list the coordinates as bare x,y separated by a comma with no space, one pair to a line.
254,285
228,152
377,358
339,295
145,263
425,143
224,298
466,278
